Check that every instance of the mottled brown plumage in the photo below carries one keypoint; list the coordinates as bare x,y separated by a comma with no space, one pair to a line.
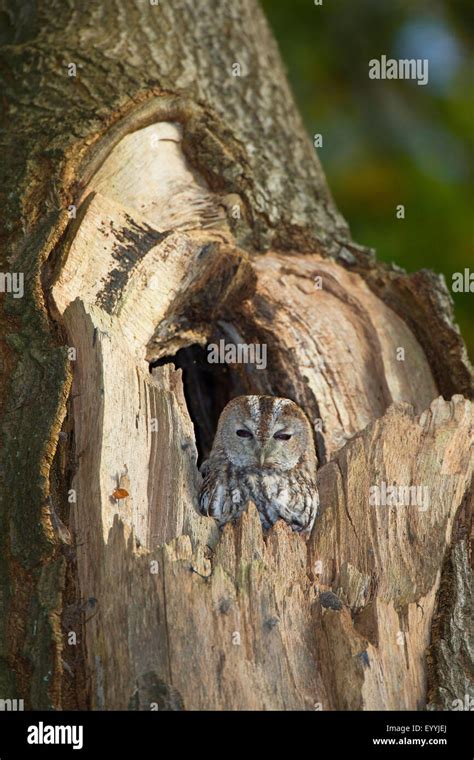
263,452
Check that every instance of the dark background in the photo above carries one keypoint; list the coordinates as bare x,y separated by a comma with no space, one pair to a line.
391,142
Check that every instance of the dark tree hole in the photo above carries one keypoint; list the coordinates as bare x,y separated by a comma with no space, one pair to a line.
207,389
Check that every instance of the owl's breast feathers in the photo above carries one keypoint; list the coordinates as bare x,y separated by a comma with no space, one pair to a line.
226,491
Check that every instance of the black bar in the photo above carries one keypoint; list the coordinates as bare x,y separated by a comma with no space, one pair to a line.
152,734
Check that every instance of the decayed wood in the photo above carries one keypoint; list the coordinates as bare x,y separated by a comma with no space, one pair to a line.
203,613
250,612
195,222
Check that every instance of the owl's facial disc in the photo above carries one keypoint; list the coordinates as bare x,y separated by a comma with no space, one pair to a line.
263,432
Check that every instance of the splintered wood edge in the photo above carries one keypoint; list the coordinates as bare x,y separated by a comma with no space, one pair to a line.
255,600
124,268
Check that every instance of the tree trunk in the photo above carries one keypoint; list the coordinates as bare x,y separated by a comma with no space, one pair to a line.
161,198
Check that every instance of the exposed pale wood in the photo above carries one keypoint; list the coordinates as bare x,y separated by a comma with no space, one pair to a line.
236,621
147,172
334,343
251,615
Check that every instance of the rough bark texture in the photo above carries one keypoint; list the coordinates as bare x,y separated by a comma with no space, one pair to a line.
202,213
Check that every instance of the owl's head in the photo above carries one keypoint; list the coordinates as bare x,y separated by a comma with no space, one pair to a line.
264,431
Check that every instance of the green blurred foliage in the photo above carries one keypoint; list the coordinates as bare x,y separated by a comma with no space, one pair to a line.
391,142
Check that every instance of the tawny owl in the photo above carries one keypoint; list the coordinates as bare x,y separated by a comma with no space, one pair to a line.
263,451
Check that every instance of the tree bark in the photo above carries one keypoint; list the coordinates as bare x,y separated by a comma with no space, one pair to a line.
200,213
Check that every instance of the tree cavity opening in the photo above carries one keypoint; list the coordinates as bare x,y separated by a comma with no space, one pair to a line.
209,386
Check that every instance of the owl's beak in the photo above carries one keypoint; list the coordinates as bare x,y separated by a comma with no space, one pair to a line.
263,455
